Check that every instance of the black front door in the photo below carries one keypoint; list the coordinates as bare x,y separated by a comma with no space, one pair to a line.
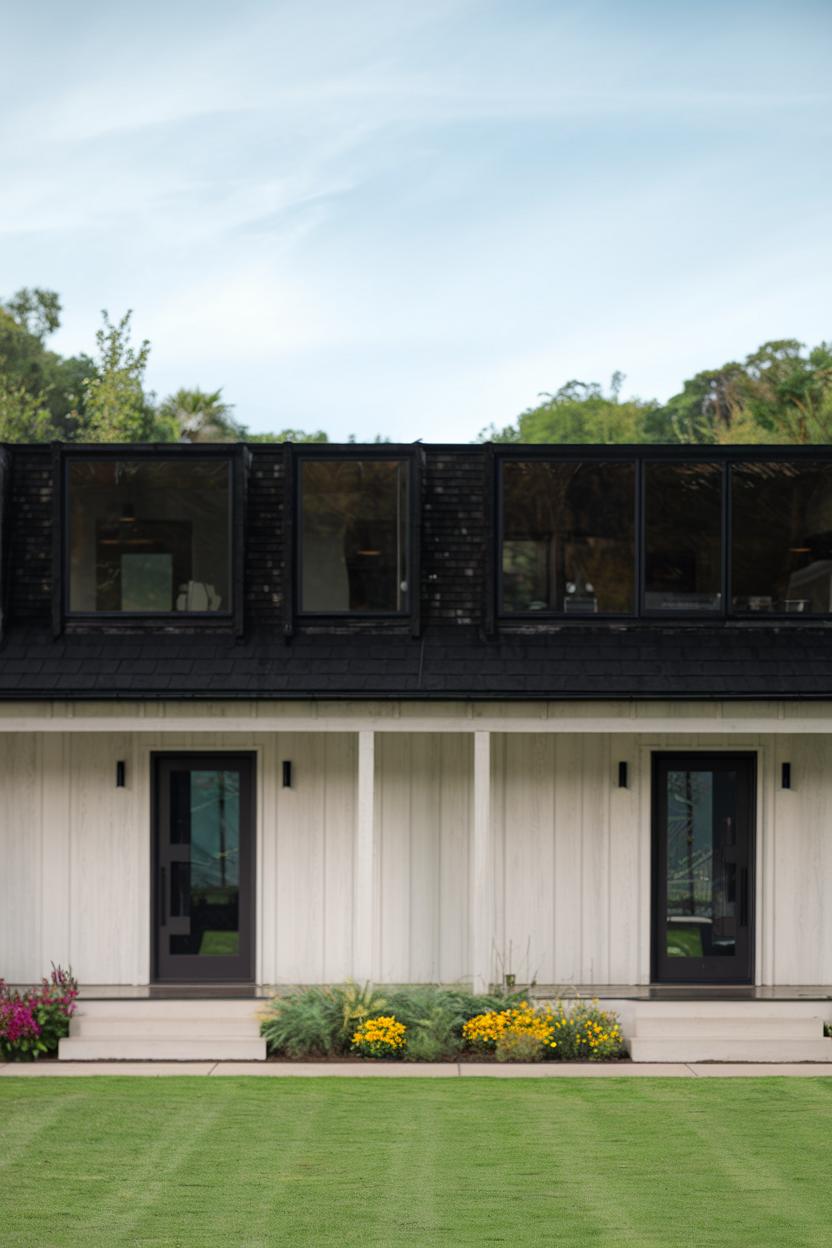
203,867
703,860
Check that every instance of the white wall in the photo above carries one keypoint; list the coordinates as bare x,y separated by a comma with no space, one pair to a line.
423,813
571,855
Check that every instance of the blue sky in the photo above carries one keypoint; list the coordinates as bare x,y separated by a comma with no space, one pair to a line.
412,218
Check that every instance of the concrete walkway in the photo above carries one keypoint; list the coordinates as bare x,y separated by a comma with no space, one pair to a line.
423,1070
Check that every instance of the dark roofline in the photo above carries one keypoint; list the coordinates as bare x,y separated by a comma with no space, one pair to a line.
618,450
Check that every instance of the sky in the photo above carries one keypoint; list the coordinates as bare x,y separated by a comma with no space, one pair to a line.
381,216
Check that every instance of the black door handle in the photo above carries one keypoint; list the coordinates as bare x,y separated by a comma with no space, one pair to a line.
163,910
744,897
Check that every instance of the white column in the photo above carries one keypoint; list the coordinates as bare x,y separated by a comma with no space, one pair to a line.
481,882
364,866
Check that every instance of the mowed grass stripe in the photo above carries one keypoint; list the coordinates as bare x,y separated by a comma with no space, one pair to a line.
254,1162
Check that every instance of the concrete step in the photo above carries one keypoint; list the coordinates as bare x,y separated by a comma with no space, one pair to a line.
167,1029
660,1027
150,1007
181,1048
718,1049
715,1008
243,1028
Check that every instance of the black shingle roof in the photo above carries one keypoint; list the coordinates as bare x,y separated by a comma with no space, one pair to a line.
591,662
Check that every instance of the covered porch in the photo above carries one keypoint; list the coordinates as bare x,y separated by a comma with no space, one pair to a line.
411,842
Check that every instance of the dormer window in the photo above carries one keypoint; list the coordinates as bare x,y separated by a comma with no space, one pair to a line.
568,542
354,535
149,536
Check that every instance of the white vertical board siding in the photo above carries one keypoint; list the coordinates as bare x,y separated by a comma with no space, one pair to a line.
568,852
21,892
423,814
106,924
570,855
802,862
306,873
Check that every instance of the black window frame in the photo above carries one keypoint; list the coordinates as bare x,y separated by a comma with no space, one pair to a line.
339,453
237,458
592,454
641,454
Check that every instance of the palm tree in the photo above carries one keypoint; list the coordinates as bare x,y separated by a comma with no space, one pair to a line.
201,416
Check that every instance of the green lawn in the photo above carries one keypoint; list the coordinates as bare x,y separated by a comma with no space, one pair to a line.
243,1162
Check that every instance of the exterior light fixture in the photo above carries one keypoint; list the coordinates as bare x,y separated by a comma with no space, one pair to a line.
121,771
623,778
786,776
287,774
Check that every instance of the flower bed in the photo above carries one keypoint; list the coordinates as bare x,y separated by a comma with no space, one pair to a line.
33,1021
436,1024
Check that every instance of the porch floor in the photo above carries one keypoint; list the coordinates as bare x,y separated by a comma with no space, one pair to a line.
603,992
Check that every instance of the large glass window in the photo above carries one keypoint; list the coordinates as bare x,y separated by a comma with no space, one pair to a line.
149,535
781,547
683,537
568,536
354,519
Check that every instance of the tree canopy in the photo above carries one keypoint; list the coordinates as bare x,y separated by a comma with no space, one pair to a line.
780,393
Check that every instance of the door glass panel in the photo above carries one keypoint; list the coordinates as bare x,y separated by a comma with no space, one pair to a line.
701,864
205,889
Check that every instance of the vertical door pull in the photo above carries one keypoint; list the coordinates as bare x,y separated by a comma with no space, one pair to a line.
163,909
744,897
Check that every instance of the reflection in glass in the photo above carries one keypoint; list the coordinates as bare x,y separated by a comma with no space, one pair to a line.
683,544
149,535
701,864
781,526
354,535
567,542
206,889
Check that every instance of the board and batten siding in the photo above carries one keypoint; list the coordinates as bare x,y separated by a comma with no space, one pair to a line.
570,865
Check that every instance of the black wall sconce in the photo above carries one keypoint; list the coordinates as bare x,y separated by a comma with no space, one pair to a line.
786,776
623,778
121,772
287,774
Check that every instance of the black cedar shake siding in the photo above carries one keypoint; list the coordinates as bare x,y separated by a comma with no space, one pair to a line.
456,656
5,512
30,570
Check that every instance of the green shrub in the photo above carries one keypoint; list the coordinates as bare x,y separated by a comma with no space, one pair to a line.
434,1018
318,1022
321,1022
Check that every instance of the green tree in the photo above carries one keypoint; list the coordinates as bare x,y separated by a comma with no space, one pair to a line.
200,416
37,311
57,383
287,435
116,407
24,417
778,394
581,412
